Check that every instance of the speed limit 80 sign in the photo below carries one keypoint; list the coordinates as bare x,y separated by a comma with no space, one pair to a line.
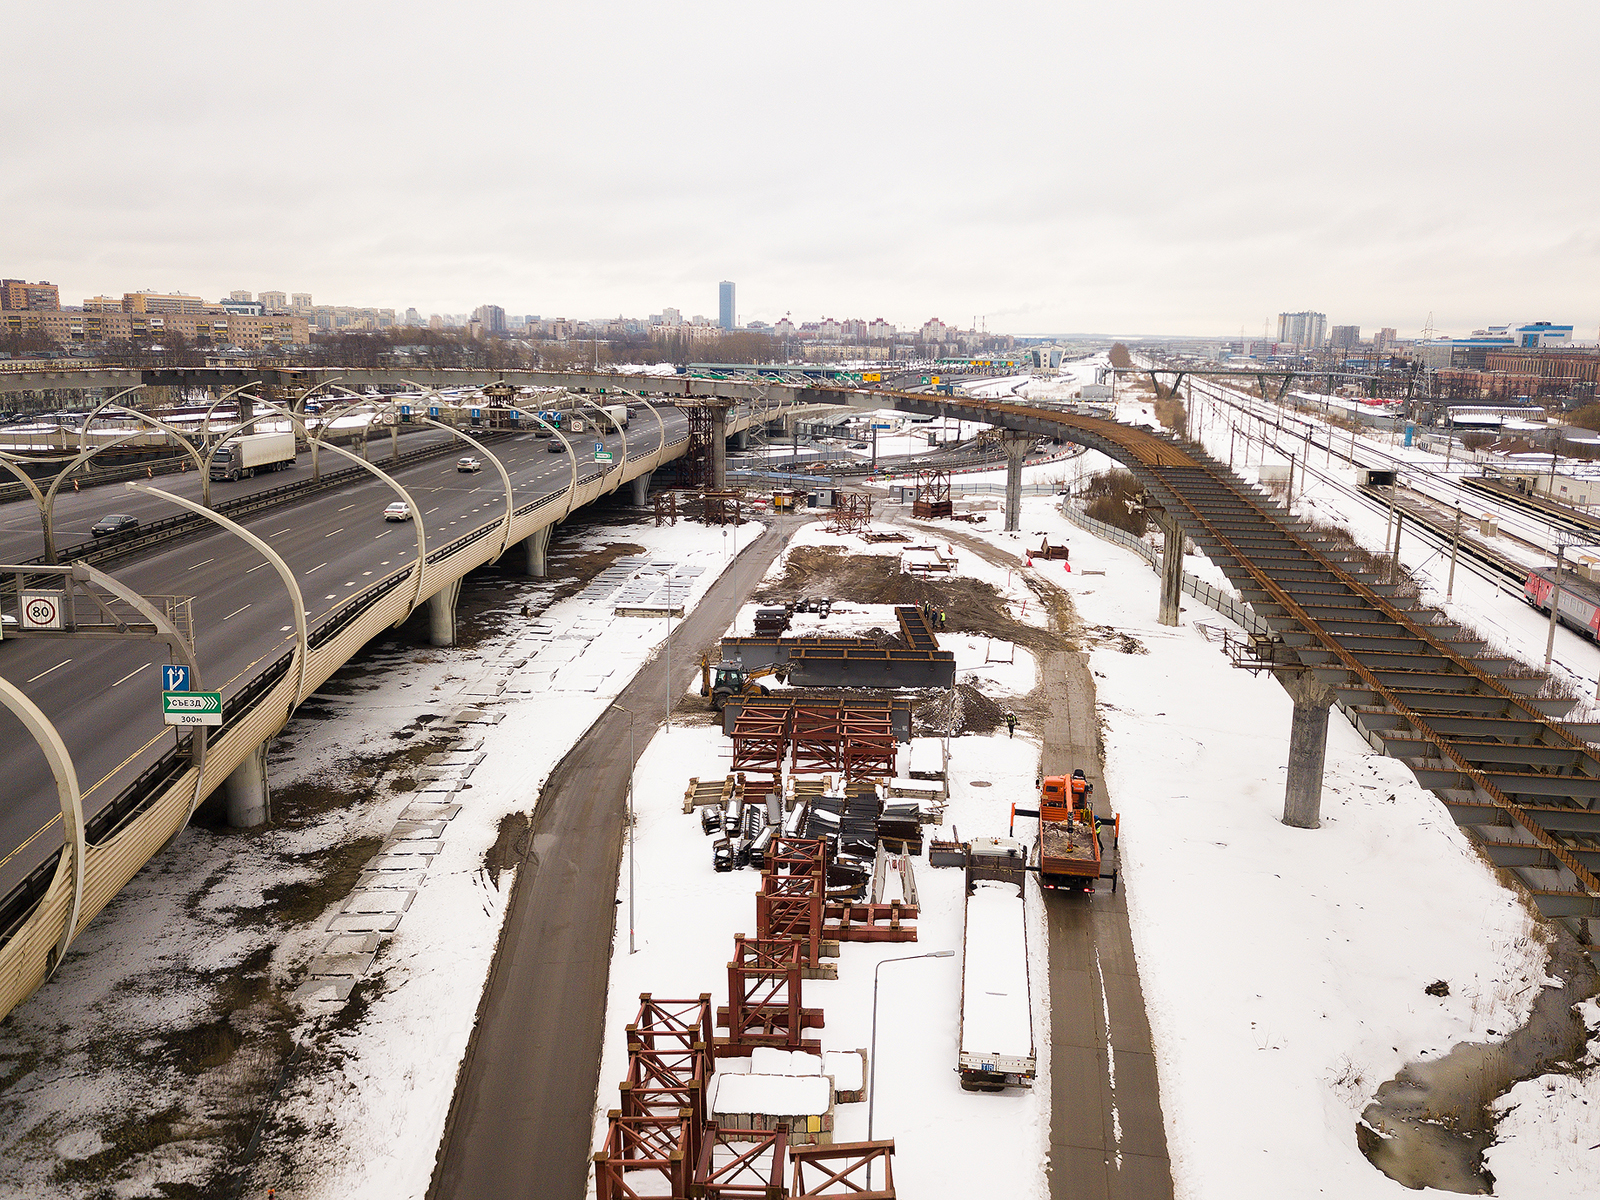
43,610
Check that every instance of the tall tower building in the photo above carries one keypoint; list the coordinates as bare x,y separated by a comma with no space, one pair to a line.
727,315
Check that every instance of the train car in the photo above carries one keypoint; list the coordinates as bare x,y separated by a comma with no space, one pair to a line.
1579,605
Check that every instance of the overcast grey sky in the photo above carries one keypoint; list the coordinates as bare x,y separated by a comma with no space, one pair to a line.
1148,166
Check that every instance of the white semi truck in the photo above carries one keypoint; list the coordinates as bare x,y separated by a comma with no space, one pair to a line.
616,418
997,1048
241,457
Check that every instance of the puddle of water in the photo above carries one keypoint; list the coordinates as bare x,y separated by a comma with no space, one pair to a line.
1430,1124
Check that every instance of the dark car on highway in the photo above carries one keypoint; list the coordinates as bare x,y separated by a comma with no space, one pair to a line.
114,523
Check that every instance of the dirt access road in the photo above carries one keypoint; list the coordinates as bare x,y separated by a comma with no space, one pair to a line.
520,1123
1107,1140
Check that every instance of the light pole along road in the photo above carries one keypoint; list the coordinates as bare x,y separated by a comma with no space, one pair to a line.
521,1121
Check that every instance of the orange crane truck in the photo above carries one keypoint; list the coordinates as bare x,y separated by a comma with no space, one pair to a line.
1072,853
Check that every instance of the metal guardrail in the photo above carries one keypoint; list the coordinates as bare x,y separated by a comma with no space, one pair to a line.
1229,605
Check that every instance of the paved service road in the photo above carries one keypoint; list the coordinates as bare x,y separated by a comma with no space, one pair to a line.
1093,975
521,1121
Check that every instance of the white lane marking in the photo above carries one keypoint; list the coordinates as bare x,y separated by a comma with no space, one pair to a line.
192,566
366,572
384,563
57,667
318,567
385,533
256,568
338,530
331,596
235,612
1111,1060
431,511
347,508
350,583
280,532
130,675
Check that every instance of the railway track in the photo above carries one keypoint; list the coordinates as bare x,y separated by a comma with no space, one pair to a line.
1478,729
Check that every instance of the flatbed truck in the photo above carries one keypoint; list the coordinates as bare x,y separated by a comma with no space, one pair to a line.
996,1032
1072,851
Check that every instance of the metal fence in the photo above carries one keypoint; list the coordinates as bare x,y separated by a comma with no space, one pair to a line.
1226,603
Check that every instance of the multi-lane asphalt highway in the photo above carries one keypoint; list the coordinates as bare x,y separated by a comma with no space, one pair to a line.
104,696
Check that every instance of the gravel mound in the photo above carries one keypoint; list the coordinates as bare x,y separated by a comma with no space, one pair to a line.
963,710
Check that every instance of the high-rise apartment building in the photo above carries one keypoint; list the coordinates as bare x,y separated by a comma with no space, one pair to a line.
300,304
1303,330
274,301
163,302
20,295
240,296
492,317
727,314
1345,337
1383,340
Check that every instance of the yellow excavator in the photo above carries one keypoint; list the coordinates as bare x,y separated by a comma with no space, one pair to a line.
721,681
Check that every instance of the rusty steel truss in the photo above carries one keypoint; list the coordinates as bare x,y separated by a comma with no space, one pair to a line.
764,1004
749,1168
933,495
843,1169
644,1154
793,891
852,512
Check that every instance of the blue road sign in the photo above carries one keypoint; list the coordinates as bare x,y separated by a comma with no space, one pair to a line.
476,413
433,410
599,447
174,678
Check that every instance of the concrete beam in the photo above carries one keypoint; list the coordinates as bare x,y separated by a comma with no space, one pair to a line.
641,489
1308,747
248,796
1016,447
1171,570
442,614
537,546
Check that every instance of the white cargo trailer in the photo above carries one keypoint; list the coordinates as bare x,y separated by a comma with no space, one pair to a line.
241,457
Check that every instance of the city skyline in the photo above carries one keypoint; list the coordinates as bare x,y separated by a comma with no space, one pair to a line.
1037,189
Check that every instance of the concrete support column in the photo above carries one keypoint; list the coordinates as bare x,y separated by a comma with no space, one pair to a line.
442,614
718,449
1308,745
1016,446
249,800
741,440
537,544
641,489
1171,570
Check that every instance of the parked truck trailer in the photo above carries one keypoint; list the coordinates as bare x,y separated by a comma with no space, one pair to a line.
996,1042
241,457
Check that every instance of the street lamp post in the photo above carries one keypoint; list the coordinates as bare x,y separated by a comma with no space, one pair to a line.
872,1082
633,763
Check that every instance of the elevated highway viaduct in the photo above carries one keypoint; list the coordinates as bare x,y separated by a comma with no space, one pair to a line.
136,781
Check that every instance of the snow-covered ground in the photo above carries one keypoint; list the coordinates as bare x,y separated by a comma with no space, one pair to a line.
947,1142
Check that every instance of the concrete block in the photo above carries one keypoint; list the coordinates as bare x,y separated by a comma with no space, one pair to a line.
422,811
411,831
399,862
351,966
364,923
323,992
380,900
392,878
352,943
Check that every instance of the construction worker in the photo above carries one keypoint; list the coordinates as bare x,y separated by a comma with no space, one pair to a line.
1081,788
1011,724
941,619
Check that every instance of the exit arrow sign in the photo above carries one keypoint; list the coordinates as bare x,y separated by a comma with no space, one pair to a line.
191,708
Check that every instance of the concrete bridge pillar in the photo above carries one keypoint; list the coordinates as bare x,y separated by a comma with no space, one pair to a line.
1308,747
1016,446
537,545
1171,570
717,451
442,614
249,799
741,440
641,489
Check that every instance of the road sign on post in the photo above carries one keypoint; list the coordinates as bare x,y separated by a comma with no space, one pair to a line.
174,678
602,456
43,610
191,708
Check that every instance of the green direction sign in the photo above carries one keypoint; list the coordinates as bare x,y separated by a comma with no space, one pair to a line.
602,456
191,708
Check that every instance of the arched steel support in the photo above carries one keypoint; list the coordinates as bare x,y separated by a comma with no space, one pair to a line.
394,484
302,638
74,848
622,463
47,512
505,476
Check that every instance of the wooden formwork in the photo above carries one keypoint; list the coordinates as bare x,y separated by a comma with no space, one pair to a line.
842,1169
643,1155
764,1004
712,793
749,1169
